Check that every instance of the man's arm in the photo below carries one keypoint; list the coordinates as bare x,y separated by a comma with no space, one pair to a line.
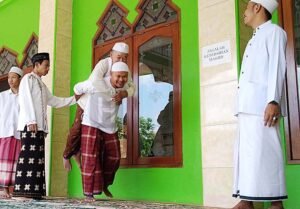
59,102
98,73
276,76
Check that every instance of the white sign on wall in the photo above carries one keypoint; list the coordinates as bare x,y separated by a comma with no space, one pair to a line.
216,54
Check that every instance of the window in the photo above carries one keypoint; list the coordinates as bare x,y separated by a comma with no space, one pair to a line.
290,14
9,59
150,121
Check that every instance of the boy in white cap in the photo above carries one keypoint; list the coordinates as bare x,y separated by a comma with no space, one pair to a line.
102,69
259,164
9,136
100,147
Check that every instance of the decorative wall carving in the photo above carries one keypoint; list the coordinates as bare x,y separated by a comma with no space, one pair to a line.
155,12
30,50
7,60
113,23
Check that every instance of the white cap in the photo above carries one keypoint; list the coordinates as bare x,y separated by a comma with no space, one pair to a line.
269,5
121,47
119,67
17,71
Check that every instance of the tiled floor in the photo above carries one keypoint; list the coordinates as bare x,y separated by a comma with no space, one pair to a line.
58,203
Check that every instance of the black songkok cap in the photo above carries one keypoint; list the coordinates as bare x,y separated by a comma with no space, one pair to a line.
40,57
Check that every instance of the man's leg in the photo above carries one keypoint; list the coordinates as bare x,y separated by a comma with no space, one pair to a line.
111,160
276,205
73,141
92,179
243,204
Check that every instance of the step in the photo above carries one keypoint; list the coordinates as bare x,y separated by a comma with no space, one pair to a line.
61,203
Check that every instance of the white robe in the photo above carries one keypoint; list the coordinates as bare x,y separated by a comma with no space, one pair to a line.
100,111
259,165
34,96
9,114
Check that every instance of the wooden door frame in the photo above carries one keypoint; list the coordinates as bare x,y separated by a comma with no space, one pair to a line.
292,122
164,30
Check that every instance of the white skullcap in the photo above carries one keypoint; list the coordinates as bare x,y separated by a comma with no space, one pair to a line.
121,47
119,67
17,71
269,5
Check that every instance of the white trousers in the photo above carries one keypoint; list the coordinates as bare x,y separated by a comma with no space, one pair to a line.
258,161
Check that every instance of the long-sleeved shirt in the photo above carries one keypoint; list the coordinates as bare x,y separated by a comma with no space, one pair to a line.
9,114
34,96
100,111
263,70
101,71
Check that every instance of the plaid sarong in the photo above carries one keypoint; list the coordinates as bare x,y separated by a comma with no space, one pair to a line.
100,153
9,153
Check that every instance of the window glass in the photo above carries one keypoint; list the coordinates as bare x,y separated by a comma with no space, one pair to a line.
156,98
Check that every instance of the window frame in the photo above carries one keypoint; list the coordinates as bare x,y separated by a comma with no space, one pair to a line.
173,26
169,30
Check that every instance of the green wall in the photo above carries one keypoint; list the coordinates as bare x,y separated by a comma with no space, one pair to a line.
18,20
183,184
292,171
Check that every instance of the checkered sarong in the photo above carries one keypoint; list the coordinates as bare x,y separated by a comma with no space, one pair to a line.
9,153
100,153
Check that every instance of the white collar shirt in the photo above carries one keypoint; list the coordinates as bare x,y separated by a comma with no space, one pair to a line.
263,70
101,71
100,111
34,97
9,114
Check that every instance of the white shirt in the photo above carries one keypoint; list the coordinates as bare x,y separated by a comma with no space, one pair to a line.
34,96
100,111
101,71
9,113
263,70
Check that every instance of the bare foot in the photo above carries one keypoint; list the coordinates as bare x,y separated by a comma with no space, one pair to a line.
107,193
89,199
22,199
244,205
5,194
77,158
67,164
276,205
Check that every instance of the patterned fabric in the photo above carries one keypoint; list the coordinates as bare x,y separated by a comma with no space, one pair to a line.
74,136
9,153
100,159
30,174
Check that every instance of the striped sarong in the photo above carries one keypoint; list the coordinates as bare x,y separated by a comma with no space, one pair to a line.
9,153
100,154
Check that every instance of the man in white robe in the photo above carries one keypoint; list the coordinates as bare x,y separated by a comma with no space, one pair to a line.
34,97
10,142
259,165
